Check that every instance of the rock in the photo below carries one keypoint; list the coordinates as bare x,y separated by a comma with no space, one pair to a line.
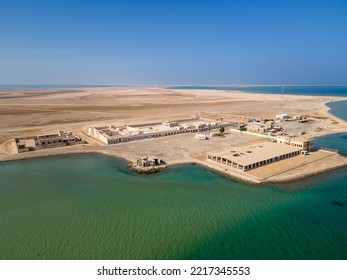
145,170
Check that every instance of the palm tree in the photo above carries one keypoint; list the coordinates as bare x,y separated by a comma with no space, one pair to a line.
222,129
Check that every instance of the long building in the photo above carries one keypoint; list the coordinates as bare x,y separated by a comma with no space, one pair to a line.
47,141
252,156
112,134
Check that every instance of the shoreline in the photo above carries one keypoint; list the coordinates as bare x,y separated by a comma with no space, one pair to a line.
182,151
329,110
242,178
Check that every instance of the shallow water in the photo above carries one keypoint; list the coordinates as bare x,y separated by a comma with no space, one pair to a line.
336,142
296,90
92,207
339,109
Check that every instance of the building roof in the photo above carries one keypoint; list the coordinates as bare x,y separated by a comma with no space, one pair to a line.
257,152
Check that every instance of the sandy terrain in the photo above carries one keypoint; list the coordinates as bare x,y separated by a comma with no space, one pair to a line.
27,112
31,112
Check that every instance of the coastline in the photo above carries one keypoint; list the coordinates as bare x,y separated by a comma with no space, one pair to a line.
328,110
243,178
183,150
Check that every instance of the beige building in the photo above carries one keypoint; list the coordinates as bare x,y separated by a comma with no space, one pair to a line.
252,156
262,127
256,127
306,144
47,141
148,161
112,134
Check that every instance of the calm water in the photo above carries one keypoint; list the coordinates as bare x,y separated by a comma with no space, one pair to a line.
91,207
339,109
334,141
296,90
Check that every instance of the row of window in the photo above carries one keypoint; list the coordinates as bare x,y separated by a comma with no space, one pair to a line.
122,139
254,165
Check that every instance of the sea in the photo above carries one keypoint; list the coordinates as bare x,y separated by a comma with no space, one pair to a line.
317,90
323,90
93,207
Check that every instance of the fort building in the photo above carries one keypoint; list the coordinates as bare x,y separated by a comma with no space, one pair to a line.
112,134
47,141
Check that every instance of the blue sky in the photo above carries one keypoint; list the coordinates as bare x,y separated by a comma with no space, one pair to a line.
173,42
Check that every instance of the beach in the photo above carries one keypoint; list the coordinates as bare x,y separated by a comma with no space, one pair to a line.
40,111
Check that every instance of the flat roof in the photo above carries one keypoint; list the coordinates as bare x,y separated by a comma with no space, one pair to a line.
296,138
254,153
156,128
150,128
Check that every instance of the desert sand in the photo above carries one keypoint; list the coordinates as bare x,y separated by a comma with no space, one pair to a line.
31,112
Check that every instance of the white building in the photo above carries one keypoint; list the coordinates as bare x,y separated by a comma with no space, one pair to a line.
112,134
282,116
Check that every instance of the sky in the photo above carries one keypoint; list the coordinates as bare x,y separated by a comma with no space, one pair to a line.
172,42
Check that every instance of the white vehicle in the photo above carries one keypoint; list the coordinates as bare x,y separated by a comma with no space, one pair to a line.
200,136
282,117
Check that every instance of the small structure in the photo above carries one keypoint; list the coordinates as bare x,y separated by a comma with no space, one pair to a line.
147,165
282,116
200,136
148,161
306,144
263,127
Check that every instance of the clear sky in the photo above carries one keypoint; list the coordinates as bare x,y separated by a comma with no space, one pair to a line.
148,42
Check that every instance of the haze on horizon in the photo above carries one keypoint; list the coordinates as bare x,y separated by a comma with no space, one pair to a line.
173,42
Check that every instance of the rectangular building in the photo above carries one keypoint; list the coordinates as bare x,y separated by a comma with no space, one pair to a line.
252,156
47,141
112,134
306,144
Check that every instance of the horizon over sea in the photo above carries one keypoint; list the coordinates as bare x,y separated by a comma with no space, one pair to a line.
314,90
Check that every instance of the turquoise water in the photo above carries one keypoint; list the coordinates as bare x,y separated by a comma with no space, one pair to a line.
92,207
296,90
339,109
334,141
